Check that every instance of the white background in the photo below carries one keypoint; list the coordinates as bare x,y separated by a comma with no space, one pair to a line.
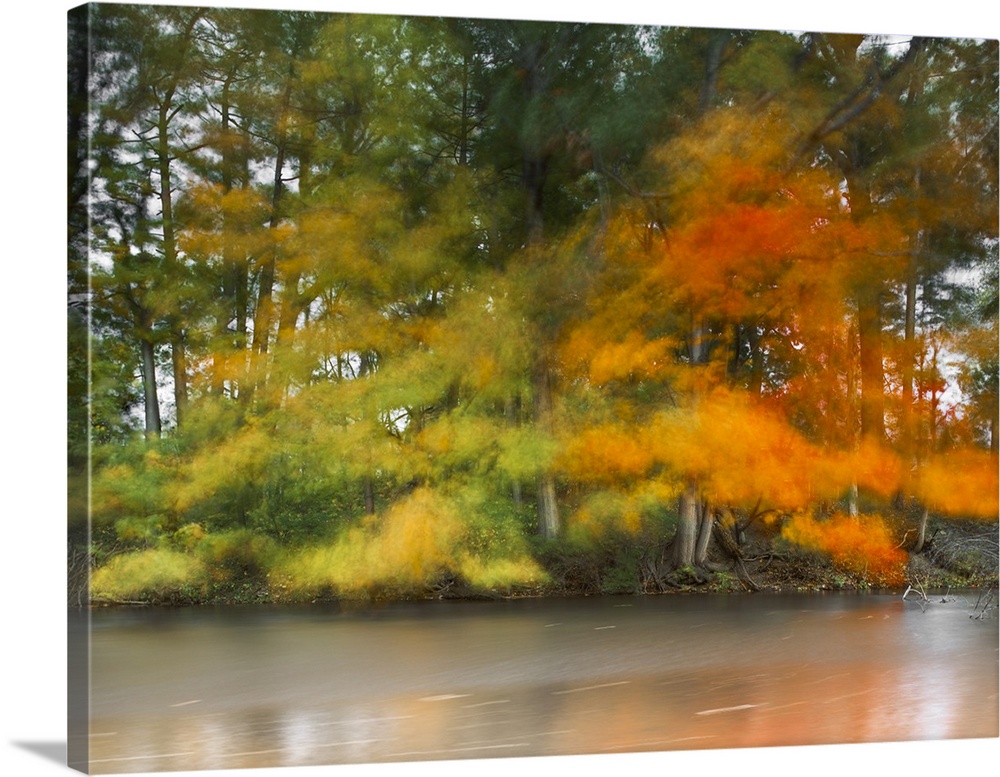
32,367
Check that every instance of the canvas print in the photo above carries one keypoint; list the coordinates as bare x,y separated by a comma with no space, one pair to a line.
454,388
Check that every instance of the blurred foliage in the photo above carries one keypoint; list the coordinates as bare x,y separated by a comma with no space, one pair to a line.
155,575
376,301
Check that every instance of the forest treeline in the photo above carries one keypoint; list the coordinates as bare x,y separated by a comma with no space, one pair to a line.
384,305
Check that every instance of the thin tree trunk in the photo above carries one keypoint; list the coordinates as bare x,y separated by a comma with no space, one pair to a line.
264,317
535,161
713,60
233,281
510,412
756,361
869,301
932,405
921,532
265,309
548,506
696,347
704,533
733,364
910,328
179,361
151,401
914,94
164,159
465,125
909,353
872,375
292,302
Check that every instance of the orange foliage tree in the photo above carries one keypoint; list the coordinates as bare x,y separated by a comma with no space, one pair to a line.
741,299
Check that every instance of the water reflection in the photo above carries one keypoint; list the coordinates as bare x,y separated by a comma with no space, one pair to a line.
202,690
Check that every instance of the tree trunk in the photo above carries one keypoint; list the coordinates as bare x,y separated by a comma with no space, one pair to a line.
548,507
852,500
697,350
918,545
756,361
264,318
465,128
872,375
151,401
869,301
909,354
688,525
233,310
179,361
734,363
292,303
707,511
511,414
534,170
713,60
914,93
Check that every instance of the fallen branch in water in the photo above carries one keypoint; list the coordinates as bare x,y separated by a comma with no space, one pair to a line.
947,596
922,601
985,605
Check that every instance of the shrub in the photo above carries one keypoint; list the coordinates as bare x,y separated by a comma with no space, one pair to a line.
149,575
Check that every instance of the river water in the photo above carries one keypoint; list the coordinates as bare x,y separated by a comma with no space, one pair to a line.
220,688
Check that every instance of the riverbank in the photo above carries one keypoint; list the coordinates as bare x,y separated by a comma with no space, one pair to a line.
247,568
786,572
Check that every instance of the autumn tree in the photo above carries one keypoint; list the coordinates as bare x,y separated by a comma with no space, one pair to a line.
749,270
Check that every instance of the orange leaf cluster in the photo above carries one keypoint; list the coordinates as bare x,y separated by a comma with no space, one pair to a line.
859,544
875,469
740,453
963,484
725,256
608,454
